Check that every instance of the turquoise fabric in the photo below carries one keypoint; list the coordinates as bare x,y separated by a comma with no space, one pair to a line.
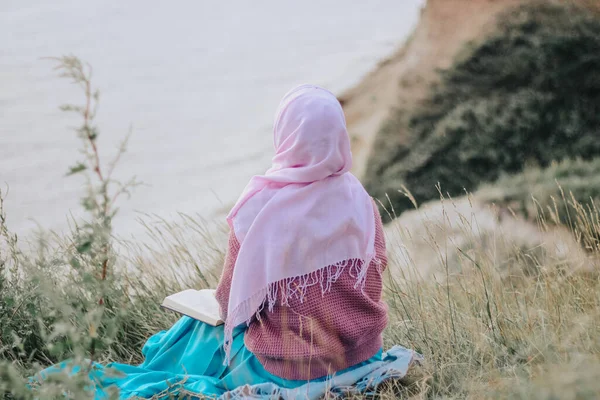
188,358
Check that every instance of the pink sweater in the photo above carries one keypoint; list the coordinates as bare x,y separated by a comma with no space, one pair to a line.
323,334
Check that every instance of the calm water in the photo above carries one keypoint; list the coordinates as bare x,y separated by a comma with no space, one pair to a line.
198,81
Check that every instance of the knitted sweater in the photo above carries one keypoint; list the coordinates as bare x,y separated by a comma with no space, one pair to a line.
324,333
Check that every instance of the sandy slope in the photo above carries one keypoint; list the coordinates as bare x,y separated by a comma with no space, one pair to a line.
403,79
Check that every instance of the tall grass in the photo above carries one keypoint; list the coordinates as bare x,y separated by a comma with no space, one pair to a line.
87,296
485,333
492,329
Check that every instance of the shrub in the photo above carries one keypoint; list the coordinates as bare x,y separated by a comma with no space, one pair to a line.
85,296
559,194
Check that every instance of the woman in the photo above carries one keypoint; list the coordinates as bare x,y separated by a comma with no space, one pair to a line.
306,250
300,292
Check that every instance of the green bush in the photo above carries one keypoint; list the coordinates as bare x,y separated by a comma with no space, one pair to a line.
85,296
558,193
529,93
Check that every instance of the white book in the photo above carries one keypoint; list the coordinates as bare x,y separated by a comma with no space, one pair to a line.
198,304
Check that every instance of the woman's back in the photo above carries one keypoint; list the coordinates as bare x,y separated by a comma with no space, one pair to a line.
319,333
306,250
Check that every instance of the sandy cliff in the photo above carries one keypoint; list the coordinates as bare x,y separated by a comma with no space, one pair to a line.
403,79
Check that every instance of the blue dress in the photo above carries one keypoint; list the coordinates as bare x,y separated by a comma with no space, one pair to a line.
189,359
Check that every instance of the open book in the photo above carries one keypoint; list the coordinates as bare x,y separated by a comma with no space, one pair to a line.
198,304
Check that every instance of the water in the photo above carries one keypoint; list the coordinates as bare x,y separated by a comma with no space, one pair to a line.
198,81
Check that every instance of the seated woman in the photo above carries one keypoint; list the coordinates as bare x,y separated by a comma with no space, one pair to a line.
306,250
300,291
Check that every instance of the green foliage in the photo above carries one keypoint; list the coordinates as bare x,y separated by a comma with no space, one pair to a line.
528,94
77,297
558,192
63,298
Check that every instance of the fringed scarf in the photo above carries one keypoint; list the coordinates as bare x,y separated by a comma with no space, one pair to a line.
307,218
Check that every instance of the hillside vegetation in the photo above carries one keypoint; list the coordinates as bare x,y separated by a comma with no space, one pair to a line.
529,93
555,192
402,80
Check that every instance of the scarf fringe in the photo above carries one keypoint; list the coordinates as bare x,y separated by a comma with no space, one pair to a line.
295,288
234,315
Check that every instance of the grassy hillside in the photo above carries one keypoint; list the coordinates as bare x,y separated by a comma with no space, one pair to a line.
555,192
483,334
527,94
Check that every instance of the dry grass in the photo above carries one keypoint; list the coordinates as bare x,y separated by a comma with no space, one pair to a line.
484,332
493,329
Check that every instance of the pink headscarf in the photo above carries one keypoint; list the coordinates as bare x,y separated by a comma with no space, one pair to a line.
300,223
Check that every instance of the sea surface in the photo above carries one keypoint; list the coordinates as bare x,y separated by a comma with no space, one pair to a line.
198,83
